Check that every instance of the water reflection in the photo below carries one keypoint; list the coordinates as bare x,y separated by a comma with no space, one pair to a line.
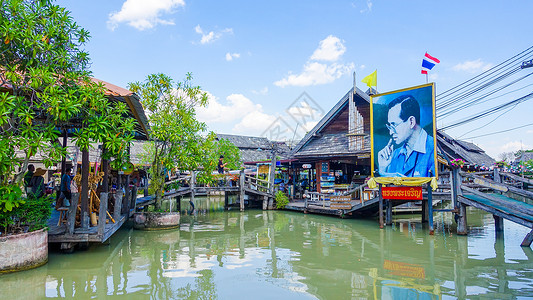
289,255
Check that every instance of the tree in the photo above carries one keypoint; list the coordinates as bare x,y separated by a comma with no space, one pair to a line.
46,87
178,139
212,149
174,130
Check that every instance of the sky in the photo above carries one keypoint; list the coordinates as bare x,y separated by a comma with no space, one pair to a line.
284,64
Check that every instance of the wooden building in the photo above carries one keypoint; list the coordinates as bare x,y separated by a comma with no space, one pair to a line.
336,152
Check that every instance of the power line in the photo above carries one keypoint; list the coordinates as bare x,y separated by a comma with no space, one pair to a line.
497,132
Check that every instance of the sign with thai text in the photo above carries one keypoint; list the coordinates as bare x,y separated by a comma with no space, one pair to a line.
340,205
341,198
340,202
491,185
402,193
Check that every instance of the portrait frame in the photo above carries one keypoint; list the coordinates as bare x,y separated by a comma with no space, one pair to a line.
380,135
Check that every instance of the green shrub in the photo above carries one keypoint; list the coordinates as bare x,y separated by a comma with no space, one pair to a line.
281,200
32,214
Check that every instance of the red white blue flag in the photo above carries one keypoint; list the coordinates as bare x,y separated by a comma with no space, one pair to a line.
428,63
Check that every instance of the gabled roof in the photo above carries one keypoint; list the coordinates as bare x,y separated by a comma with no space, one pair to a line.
255,149
133,101
329,117
470,153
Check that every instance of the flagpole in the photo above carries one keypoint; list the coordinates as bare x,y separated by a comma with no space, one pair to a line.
426,77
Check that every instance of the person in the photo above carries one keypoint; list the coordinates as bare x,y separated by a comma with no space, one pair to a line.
64,189
37,183
221,165
414,155
27,178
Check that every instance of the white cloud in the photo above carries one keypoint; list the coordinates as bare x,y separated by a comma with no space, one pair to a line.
231,56
248,117
329,49
315,73
235,107
211,36
473,66
142,14
262,91
254,123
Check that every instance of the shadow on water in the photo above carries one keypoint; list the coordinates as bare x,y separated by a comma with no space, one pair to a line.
276,254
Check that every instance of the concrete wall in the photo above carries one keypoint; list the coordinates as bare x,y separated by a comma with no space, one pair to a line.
23,251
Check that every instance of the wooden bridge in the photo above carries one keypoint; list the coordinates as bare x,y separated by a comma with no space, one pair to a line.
504,199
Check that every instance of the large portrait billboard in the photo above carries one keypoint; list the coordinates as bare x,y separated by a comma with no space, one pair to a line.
402,132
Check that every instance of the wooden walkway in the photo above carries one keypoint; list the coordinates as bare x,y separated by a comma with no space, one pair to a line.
68,234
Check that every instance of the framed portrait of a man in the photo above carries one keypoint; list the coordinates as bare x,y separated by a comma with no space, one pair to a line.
402,133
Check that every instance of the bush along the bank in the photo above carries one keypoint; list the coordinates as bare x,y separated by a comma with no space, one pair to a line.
281,200
32,214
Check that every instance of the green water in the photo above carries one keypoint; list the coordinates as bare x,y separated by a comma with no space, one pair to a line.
286,255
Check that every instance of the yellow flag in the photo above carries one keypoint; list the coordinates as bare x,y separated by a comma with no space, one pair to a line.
372,79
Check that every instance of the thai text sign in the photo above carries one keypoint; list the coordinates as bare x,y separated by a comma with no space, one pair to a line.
491,185
340,202
402,193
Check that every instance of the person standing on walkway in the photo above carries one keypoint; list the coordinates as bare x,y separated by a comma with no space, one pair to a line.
27,178
37,183
221,166
64,190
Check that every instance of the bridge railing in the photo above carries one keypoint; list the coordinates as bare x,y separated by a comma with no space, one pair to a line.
256,183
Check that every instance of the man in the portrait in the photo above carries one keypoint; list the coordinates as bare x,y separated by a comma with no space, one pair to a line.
415,155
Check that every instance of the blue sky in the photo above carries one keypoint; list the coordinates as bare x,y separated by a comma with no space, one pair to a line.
255,59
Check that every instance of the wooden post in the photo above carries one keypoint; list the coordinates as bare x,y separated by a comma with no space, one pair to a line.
497,176
265,202
454,188
105,170
118,204
226,200
126,198
64,160
388,216
192,184
71,219
461,220
241,189
498,226
102,214
424,211
85,168
380,207
430,210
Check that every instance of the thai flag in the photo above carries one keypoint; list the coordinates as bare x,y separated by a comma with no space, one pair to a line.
428,63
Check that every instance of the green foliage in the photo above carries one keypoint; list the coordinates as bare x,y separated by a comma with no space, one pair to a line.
281,200
42,62
10,197
212,149
174,131
32,214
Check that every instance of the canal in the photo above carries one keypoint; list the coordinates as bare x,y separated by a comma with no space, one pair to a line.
258,254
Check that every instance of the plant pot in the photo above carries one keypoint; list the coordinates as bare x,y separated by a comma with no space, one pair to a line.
156,220
23,251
